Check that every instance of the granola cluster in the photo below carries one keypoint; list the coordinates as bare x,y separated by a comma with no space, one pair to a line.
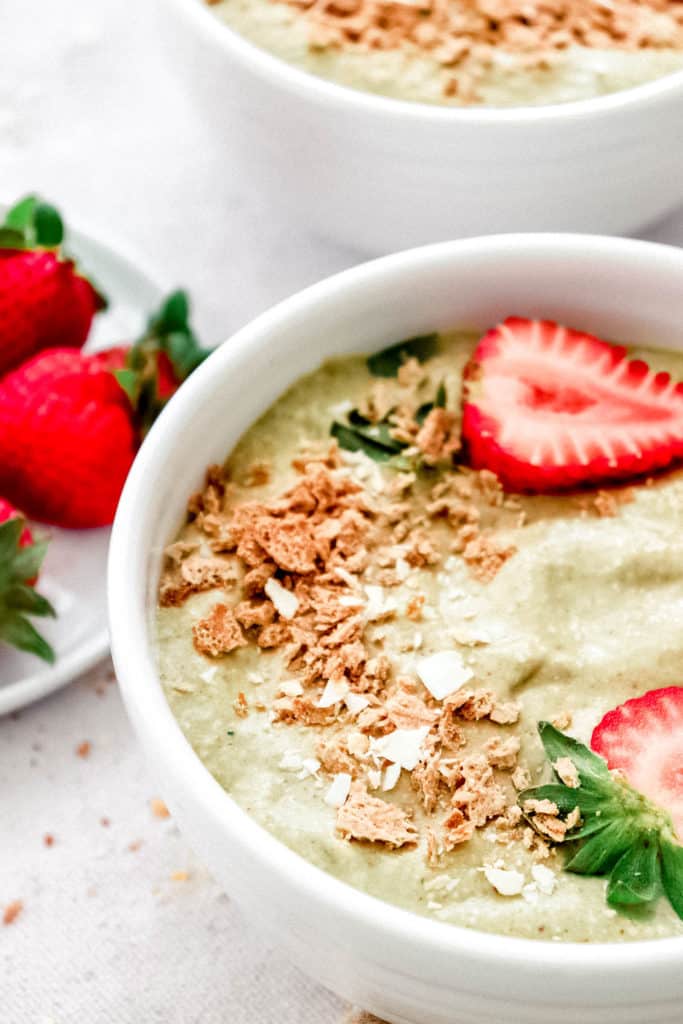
306,574
464,36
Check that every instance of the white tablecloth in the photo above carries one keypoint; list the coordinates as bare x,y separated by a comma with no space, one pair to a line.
91,116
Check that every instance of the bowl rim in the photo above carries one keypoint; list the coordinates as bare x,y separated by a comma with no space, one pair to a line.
307,85
147,705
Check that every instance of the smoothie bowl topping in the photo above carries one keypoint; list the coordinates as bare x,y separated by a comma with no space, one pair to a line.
402,569
470,51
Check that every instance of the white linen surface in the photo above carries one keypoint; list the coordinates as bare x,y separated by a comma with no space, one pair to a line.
92,116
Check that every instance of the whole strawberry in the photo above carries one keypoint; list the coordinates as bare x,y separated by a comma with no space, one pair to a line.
44,300
71,423
20,561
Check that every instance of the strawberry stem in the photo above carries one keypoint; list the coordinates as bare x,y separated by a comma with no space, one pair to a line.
621,834
34,224
160,360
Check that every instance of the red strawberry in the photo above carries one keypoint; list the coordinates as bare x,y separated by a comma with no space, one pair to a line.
548,408
70,423
20,560
44,301
643,738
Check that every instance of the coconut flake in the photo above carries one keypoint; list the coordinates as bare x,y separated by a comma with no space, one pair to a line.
374,778
335,690
291,688
504,881
339,790
443,673
310,766
391,776
402,747
356,702
402,569
291,761
286,603
545,879
378,605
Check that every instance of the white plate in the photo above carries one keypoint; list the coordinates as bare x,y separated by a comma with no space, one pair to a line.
74,571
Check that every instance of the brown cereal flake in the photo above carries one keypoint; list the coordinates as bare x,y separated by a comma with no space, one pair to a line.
482,552
414,607
240,705
405,709
439,436
502,752
367,818
567,772
218,633
258,473
254,613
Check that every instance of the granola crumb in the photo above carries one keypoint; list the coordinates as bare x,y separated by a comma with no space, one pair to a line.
258,474
240,705
365,817
567,771
48,839
218,633
414,607
12,912
179,876
84,749
563,720
159,808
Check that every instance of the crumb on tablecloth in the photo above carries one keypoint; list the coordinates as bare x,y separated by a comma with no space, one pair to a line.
12,911
159,808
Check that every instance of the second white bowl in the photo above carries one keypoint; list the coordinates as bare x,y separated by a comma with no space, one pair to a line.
380,174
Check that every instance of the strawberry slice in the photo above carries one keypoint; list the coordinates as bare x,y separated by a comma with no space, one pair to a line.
547,408
643,738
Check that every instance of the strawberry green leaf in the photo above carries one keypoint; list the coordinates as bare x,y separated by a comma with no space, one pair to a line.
599,854
18,631
636,876
48,226
33,224
27,561
10,532
128,381
23,598
621,833
20,216
672,873
11,239
160,360
388,362
354,439
19,565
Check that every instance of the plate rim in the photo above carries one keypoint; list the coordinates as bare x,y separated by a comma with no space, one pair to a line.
46,680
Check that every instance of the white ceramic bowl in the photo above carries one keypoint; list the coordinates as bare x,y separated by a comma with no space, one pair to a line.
403,967
380,174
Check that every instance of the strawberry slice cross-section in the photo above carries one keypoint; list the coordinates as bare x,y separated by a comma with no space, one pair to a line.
549,408
643,738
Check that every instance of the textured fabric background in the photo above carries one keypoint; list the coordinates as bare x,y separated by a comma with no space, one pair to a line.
120,924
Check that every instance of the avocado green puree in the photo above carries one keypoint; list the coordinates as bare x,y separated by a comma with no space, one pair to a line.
586,614
409,73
